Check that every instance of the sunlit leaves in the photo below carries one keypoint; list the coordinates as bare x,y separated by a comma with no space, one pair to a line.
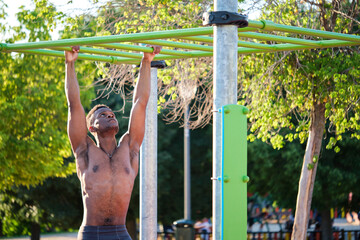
282,88
33,139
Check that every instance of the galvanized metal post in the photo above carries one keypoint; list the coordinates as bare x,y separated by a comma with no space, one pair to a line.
148,167
187,168
225,92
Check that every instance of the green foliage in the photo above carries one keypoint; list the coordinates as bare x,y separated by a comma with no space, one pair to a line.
277,173
33,139
55,204
41,21
282,88
338,175
34,147
33,142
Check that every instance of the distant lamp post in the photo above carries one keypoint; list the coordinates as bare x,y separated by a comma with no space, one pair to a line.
187,90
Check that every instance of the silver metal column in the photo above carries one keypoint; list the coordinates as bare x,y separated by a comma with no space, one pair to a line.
187,169
148,167
225,92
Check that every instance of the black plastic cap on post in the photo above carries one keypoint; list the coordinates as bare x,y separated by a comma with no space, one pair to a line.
158,64
225,18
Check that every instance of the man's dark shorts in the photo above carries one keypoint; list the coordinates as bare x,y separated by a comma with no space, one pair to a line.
117,232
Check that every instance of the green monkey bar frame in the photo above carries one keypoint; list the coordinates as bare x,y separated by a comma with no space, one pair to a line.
109,49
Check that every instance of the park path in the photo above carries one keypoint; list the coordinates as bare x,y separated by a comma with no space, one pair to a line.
55,236
340,223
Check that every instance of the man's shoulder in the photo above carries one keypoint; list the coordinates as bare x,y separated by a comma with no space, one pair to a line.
125,138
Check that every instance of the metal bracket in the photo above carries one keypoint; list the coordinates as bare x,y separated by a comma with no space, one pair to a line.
215,178
225,18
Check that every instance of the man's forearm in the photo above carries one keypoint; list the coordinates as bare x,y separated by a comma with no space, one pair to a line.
71,85
142,89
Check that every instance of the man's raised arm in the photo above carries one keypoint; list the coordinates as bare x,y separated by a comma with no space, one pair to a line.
140,100
77,129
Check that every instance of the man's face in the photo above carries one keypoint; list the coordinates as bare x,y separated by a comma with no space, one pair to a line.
105,120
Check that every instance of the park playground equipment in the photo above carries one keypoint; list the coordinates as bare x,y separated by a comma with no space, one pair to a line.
222,42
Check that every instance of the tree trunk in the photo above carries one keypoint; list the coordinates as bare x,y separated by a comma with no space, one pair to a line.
1,228
131,228
35,231
308,172
326,225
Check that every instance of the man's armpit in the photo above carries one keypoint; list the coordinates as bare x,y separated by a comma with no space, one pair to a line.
134,155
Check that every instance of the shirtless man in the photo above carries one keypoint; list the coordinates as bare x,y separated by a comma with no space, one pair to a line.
106,170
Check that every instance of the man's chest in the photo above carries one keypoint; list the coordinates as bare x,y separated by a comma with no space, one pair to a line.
106,176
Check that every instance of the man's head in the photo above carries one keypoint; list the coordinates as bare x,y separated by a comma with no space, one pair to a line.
101,119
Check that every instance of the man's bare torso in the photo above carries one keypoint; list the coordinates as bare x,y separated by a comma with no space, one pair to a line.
106,183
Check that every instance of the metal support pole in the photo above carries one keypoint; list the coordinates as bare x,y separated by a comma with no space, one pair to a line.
148,167
187,168
225,92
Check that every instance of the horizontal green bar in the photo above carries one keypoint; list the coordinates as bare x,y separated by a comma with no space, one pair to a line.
271,26
247,29
191,54
199,39
142,49
81,56
256,24
109,39
210,39
113,60
178,45
294,47
126,47
254,45
102,52
270,37
240,43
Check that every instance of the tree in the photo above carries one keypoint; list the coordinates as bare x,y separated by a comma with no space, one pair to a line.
33,139
55,204
304,90
276,172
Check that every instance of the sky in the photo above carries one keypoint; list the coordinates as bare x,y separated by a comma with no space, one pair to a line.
74,7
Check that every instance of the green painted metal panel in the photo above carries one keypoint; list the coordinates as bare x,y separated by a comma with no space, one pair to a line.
234,172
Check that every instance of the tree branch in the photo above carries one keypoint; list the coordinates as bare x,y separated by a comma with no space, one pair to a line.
345,16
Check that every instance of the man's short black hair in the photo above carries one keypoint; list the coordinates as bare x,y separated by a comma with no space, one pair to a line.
89,117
